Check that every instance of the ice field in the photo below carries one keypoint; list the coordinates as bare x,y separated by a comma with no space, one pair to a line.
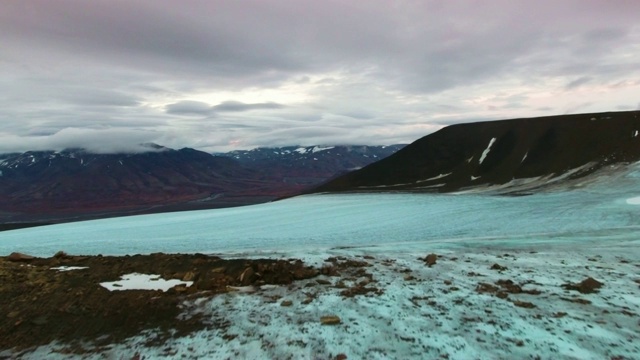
543,241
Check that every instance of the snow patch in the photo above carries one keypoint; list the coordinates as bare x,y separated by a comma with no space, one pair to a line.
434,178
524,157
486,151
634,200
301,150
136,281
318,148
635,134
474,177
69,268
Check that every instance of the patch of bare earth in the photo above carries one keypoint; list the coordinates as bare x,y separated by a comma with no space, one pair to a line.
39,305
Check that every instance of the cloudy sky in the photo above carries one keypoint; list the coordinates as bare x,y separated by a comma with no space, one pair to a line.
228,74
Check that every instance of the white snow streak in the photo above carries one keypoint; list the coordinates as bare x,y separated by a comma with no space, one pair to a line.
69,268
486,151
634,200
318,148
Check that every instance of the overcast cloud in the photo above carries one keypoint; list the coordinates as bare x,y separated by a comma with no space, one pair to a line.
219,75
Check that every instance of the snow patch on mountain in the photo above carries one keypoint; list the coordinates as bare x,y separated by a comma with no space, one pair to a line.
318,148
486,151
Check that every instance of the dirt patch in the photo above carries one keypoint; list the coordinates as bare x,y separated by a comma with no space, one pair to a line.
39,305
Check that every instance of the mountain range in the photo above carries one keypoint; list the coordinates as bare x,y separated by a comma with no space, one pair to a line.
509,157
517,157
74,184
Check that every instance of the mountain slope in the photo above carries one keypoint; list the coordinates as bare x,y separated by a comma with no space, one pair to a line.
517,152
75,184
311,165
77,180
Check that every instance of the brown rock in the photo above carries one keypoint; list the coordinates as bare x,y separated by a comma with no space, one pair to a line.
589,285
498,267
190,276
307,301
431,259
486,288
330,320
286,303
247,277
180,289
19,257
341,357
13,314
523,304
61,255
509,286
586,286
577,300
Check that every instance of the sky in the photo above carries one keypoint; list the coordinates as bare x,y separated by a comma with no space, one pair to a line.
109,75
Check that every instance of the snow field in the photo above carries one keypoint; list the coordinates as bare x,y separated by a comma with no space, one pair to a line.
425,312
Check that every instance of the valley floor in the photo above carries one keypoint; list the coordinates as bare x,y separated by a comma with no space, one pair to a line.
483,302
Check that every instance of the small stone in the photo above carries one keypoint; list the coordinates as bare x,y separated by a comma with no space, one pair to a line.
190,276
519,343
586,286
409,277
589,285
323,282
341,357
486,288
498,267
307,301
13,314
330,320
61,255
447,282
431,259
247,277
286,303
524,304
577,301
180,289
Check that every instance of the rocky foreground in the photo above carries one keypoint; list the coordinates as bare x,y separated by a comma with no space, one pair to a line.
350,304
60,299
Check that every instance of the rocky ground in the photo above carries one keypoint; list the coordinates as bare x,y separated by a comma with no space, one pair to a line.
46,299
349,304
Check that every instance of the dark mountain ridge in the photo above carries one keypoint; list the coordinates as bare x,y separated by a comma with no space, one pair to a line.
75,184
531,151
